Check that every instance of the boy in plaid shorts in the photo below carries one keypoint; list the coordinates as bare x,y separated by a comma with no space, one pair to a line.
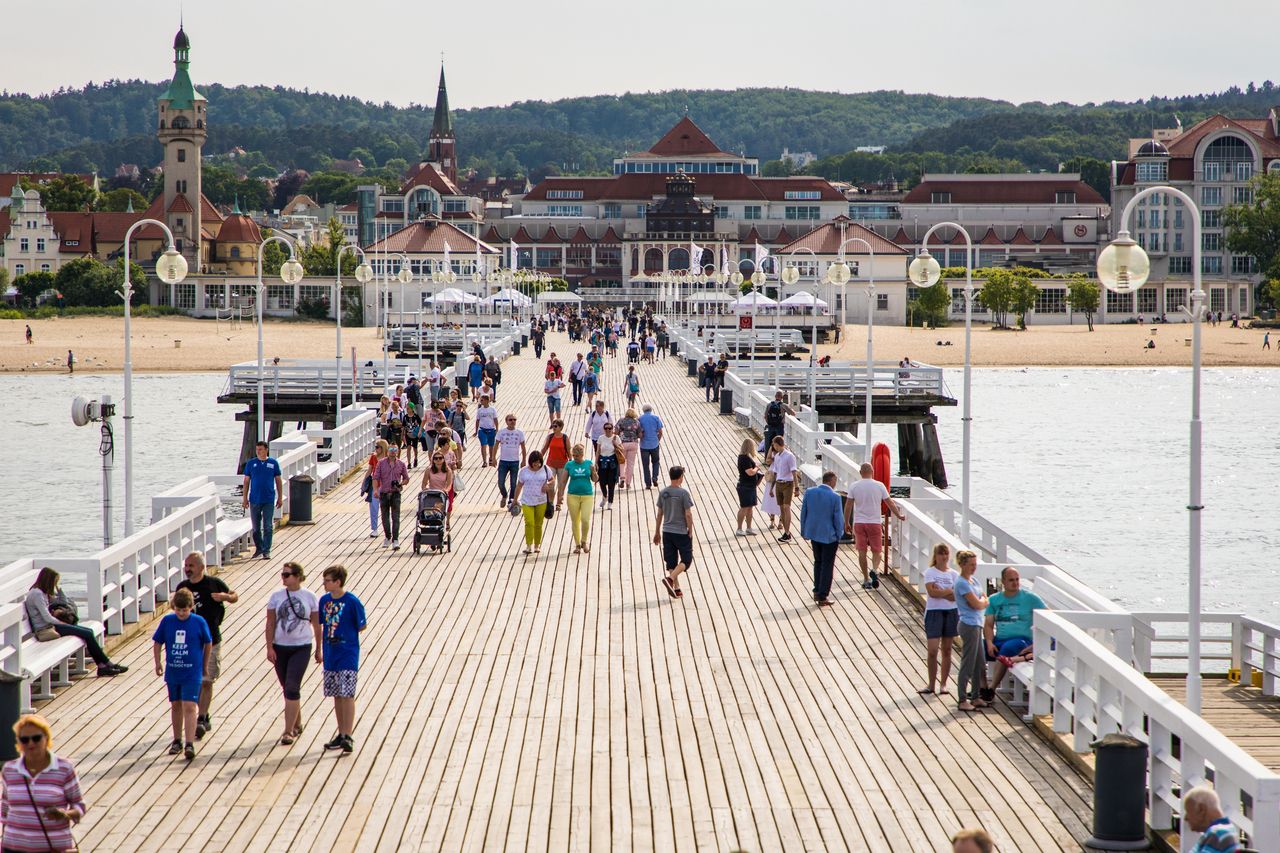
341,621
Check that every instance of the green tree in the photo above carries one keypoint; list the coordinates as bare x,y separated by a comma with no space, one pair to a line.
1254,229
320,259
997,296
273,255
65,192
1084,296
932,306
31,285
1094,172
119,200
1025,293
88,281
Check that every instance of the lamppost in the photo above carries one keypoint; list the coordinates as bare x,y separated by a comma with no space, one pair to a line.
363,274
790,275
925,272
290,273
1123,267
447,277
404,275
839,274
171,268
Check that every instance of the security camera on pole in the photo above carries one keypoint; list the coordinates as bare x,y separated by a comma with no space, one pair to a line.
84,412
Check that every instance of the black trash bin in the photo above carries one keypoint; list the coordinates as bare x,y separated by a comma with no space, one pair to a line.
693,366
515,347
10,711
461,382
675,347
301,489
1119,794
726,401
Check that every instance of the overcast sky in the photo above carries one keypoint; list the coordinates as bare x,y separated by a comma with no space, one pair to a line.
501,51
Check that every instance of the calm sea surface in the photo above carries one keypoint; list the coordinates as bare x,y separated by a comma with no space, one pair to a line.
1088,466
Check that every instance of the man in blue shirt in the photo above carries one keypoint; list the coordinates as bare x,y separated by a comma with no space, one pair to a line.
1007,627
341,620
1202,811
822,523
650,436
263,491
475,374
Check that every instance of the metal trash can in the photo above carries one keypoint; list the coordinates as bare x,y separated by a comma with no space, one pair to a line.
301,489
1119,794
726,401
515,347
10,711
675,347
461,382
524,339
693,366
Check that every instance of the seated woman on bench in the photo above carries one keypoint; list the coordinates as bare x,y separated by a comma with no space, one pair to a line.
53,615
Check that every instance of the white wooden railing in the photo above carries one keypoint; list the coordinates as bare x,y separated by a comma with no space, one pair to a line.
351,442
1091,692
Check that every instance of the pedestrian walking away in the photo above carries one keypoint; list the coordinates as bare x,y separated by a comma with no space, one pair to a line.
211,596
187,645
862,516
263,492
822,523
628,429
342,618
674,530
650,445
389,479
775,418
293,622
367,491
582,474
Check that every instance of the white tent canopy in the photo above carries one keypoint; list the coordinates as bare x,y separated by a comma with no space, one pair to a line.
749,300
803,299
558,296
507,294
708,296
451,296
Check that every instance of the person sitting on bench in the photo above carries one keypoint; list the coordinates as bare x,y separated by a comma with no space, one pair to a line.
1007,629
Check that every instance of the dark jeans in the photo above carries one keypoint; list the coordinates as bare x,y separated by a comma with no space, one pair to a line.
608,472
263,518
537,348
649,465
717,382
507,468
577,390
389,502
824,565
90,641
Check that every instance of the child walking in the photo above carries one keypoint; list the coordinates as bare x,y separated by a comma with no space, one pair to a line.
188,649
341,620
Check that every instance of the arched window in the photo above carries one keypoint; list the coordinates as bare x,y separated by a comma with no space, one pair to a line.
1228,148
678,259
423,201
181,122
653,261
1227,158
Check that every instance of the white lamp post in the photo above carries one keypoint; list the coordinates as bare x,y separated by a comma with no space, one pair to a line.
839,274
404,275
290,273
363,274
790,275
925,272
1123,267
171,268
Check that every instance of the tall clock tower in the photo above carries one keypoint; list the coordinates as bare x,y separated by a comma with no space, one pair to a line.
442,145
182,132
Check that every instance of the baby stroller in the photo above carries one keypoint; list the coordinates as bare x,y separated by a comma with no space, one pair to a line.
432,518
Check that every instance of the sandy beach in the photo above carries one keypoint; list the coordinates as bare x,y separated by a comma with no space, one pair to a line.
169,344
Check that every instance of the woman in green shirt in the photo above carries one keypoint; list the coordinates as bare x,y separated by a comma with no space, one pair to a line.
581,497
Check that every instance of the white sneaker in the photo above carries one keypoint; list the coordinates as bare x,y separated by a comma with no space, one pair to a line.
751,531
739,532
386,543
395,545
373,534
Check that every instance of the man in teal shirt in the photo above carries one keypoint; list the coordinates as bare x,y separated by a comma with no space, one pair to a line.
1008,624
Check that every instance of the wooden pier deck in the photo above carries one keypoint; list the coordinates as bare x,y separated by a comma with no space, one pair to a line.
566,703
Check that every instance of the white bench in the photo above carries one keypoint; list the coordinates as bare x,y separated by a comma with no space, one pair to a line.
233,534
50,663
1016,683
743,415
327,476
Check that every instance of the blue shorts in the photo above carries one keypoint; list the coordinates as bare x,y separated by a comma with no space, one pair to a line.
1011,647
184,691
487,436
553,405
941,624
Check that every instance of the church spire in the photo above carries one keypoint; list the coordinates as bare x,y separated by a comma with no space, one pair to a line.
442,126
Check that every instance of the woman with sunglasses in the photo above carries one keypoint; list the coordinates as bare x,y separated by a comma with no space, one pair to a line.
293,625
42,796
532,486
439,476
609,451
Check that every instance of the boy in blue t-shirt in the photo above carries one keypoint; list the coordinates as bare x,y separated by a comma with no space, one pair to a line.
341,621
188,648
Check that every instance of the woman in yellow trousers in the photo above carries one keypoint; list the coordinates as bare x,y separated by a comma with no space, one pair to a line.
532,486
581,497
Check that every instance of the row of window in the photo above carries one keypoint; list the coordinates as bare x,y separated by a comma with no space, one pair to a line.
731,167
24,244
21,269
864,211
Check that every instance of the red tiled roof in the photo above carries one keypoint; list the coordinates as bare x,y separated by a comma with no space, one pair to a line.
349,208
901,237
6,224
551,236
209,213
1020,238
73,227
826,239
111,227
428,236
610,236
522,237
239,228
644,186
1002,190
753,236
957,239
991,238
180,205
685,139
492,236
1051,238
782,238
429,175
581,236
1257,131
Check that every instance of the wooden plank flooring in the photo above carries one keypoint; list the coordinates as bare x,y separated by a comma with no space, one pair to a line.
1241,713
565,702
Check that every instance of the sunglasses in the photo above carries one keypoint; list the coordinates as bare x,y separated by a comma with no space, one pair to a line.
288,574
36,738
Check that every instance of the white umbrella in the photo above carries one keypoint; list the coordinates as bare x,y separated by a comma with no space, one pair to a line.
803,299
748,300
508,295
452,296
709,296
558,296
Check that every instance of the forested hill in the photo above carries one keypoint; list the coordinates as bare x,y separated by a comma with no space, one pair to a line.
100,126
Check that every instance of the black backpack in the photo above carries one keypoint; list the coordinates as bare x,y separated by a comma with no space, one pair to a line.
773,415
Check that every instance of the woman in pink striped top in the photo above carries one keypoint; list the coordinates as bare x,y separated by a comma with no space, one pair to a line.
41,797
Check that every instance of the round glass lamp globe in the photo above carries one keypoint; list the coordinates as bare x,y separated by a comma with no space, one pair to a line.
291,271
838,273
405,275
171,267
1123,266
364,273
790,275
758,278
476,278
924,271
737,279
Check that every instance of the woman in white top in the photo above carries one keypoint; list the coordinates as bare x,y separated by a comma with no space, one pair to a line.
609,454
531,494
293,622
941,621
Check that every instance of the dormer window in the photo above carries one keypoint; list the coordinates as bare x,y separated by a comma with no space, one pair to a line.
1064,197
940,198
